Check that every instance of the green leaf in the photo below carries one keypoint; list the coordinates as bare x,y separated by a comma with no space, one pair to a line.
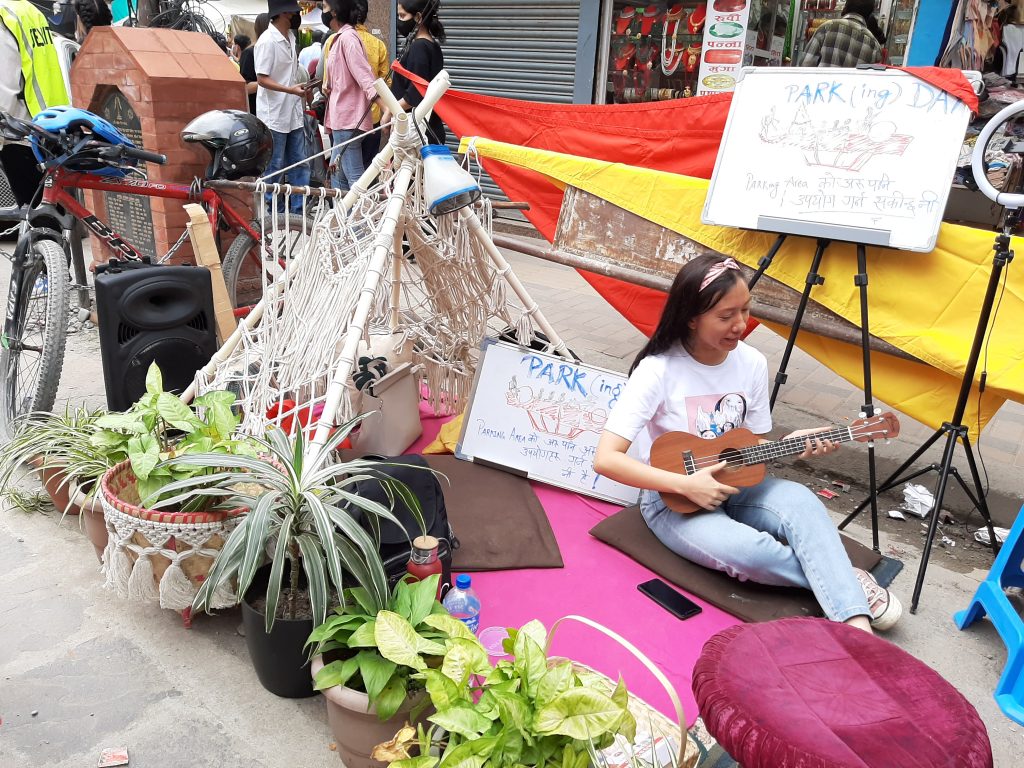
176,413
420,761
397,640
469,754
530,662
555,681
535,631
221,396
579,713
284,538
442,690
313,565
144,453
391,698
401,599
375,672
364,636
154,380
463,719
422,596
513,710
449,625
335,673
465,658
361,596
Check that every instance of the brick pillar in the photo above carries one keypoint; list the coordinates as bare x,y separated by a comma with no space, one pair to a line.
165,78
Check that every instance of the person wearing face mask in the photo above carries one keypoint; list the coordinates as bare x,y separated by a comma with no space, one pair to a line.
279,97
423,57
247,62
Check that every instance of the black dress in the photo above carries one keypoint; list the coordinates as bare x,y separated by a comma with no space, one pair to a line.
423,57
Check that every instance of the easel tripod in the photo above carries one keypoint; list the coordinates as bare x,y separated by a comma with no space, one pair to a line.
860,279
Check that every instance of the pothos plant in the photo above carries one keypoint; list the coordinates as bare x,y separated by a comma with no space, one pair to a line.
530,711
159,427
380,652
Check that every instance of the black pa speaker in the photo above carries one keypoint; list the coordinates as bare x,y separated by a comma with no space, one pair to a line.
152,313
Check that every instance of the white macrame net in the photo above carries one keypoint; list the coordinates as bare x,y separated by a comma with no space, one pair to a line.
438,295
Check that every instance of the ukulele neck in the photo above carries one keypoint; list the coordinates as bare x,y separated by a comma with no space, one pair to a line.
765,452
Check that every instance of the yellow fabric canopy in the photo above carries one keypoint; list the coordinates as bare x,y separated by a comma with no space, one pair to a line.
924,303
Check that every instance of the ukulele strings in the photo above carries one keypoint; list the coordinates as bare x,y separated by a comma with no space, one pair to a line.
763,453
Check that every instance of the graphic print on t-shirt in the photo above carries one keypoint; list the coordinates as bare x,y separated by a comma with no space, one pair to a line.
711,416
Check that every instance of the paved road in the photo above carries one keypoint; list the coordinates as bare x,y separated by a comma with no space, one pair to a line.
102,673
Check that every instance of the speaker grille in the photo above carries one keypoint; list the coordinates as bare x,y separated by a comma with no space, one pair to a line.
126,333
199,322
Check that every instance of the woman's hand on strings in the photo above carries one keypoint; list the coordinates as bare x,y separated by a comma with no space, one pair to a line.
814,446
704,490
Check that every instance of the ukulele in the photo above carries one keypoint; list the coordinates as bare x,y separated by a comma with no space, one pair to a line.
684,453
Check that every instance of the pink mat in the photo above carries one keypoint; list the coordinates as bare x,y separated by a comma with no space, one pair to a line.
600,583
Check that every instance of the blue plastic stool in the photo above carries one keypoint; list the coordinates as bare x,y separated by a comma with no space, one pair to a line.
1007,571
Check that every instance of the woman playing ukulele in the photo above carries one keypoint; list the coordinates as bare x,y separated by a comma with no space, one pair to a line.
696,375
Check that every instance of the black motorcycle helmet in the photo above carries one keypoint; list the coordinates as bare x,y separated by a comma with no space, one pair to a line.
239,144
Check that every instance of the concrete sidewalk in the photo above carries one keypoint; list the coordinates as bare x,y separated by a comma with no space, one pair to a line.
81,670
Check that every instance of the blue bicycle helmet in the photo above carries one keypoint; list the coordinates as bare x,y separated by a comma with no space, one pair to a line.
72,120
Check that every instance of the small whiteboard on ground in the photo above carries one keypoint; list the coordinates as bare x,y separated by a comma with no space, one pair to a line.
540,416
860,155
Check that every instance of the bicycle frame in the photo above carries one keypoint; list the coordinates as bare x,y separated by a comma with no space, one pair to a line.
56,194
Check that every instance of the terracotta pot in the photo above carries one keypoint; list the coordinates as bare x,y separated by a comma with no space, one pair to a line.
92,518
355,725
55,483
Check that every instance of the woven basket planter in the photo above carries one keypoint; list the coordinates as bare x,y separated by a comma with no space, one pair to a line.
159,556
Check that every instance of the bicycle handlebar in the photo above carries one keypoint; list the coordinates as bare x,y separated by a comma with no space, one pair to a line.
121,150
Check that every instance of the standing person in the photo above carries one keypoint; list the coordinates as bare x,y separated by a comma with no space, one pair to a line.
30,81
279,98
247,62
846,41
89,14
695,370
239,43
377,56
422,56
311,53
349,88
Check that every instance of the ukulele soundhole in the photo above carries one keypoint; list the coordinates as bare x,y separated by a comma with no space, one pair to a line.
733,456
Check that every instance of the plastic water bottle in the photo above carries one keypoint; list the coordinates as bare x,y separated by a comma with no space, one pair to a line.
462,603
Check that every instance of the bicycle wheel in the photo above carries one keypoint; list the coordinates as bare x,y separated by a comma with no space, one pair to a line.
35,332
245,259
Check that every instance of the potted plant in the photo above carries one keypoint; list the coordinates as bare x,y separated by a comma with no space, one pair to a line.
303,519
531,710
164,554
366,661
63,445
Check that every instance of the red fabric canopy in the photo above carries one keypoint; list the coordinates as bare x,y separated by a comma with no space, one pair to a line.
679,136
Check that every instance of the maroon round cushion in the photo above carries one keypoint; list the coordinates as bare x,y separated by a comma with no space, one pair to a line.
810,692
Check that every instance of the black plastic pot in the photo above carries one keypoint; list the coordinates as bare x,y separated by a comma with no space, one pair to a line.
280,661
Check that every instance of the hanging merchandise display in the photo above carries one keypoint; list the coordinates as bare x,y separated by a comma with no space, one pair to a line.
654,51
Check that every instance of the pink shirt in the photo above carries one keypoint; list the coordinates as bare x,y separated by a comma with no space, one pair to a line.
351,83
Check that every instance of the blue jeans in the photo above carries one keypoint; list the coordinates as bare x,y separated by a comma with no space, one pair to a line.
776,533
350,168
289,148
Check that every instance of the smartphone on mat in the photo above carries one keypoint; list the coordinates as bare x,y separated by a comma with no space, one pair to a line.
672,601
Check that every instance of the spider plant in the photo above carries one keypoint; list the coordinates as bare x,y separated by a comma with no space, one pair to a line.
65,440
303,512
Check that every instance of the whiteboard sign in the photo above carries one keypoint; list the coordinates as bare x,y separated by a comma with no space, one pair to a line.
541,416
864,156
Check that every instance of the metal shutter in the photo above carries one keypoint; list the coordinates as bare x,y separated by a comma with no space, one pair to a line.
535,50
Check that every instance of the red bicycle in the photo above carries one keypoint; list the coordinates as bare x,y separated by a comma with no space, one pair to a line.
50,242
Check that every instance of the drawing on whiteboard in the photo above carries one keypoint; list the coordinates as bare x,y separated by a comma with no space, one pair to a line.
844,144
565,418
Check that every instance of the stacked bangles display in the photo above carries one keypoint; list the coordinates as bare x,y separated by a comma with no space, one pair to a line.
655,50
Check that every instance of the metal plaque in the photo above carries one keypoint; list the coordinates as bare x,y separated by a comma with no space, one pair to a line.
128,215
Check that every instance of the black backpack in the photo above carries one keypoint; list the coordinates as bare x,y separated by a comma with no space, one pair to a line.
395,546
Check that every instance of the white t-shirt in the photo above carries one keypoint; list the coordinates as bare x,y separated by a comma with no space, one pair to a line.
673,392
274,56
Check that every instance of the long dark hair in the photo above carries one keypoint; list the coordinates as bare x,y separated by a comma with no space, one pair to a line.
344,11
685,302
429,19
